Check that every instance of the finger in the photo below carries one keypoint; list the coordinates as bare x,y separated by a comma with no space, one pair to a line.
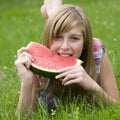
28,62
70,77
74,81
24,61
24,54
67,71
20,66
21,50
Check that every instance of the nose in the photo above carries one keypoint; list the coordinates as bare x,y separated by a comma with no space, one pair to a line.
65,44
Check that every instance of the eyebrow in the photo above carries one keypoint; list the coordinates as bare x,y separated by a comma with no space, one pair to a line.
75,34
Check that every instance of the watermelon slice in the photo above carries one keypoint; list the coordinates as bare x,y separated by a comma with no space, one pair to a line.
47,63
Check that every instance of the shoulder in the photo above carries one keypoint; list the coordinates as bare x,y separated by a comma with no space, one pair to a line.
98,51
98,47
97,44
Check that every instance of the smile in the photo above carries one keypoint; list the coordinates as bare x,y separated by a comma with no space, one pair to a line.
64,54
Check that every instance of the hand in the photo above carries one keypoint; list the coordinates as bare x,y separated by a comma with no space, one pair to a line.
76,75
23,64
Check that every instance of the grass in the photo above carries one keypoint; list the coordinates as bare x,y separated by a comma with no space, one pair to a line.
21,22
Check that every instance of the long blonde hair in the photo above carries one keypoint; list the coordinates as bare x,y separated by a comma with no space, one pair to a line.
63,20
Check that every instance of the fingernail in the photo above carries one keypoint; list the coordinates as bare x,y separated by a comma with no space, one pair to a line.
56,77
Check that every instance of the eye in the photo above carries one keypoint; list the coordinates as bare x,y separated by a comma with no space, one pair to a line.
74,38
58,38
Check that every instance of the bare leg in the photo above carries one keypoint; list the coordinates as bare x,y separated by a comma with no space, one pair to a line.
50,6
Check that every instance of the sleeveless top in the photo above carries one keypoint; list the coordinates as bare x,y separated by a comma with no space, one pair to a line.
48,95
99,51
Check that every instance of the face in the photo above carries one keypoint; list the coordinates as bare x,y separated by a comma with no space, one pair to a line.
68,44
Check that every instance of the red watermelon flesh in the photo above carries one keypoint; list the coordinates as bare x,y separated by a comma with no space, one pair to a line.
46,63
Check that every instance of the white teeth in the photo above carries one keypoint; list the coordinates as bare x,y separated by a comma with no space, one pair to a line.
64,55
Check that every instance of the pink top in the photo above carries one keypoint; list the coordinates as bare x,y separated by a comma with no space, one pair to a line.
99,51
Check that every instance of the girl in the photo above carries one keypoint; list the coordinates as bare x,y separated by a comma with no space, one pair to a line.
68,33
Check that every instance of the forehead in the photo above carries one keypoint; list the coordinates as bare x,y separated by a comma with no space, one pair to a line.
73,31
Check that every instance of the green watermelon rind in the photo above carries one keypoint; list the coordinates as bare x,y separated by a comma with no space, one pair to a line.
49,73
43,72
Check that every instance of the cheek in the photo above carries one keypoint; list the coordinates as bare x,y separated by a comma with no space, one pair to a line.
54,47
78,50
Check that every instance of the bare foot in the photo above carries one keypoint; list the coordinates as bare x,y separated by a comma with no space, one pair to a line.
44,12
50,6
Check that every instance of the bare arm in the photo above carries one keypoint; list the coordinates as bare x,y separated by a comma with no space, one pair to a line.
35,91
24,103
107,79
29,84
28,97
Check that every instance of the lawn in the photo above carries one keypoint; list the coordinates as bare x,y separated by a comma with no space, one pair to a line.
21,22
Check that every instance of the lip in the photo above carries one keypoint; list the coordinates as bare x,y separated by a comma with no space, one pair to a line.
65,54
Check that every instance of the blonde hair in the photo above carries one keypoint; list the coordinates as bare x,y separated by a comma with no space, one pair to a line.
63,20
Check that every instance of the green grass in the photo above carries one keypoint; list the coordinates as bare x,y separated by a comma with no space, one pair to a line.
21,22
